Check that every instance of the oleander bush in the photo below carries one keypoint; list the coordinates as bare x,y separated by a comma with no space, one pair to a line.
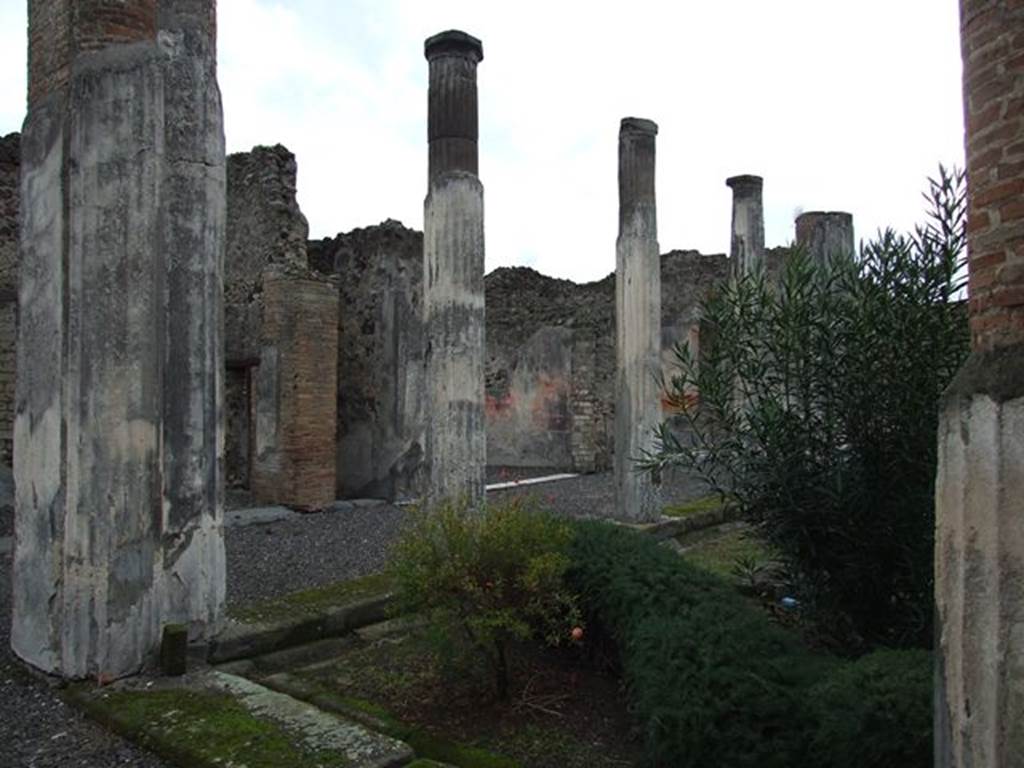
817,414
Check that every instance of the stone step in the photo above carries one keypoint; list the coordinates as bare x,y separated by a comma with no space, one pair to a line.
240,640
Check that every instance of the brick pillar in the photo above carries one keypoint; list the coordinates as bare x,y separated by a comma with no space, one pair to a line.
453,274
979,493
825,235
746,252
10,171
118,426
295,394
637,322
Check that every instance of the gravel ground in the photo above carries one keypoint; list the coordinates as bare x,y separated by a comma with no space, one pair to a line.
594,496
38,731
307,550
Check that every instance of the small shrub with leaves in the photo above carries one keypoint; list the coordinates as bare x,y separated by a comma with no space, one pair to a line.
817,413
485,579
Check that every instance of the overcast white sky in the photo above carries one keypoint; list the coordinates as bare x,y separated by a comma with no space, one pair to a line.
839,105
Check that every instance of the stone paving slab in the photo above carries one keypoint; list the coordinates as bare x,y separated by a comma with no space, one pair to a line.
256,516
347,505
318,729
211,718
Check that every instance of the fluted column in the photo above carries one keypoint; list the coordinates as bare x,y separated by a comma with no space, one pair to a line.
637,321
453,274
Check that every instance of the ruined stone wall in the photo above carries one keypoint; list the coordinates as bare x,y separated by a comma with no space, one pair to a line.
532,324
551,359
10,162
280,350
550,343
381,340
265,230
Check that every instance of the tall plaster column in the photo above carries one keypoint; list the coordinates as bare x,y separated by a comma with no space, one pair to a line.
637,322
825,235
453,274
979,489
746,252
118,427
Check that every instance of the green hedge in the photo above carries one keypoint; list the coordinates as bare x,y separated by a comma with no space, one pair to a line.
875,712
714,681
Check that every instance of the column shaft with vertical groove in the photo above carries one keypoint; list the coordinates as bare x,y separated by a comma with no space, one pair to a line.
637,322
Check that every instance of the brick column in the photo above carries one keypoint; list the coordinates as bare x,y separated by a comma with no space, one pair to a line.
637,322
453,274
746,252
10,172
118,416
979,494
825,235
295,393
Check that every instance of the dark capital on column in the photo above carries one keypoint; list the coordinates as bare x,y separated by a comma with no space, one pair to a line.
452,120
745,186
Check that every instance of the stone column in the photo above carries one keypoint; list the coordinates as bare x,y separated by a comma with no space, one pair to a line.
825,235
118,426
979,493
453,274
637,322
746,253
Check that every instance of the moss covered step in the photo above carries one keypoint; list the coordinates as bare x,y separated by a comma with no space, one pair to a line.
302,617
217,719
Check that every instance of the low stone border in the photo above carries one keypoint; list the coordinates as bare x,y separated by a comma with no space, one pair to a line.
240,640
670,527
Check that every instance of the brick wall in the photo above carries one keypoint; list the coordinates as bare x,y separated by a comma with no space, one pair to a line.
61,28
265,231
993,56
10,161
295,432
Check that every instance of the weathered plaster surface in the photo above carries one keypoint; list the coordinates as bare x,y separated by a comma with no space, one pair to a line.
381,374
529,423
979,563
